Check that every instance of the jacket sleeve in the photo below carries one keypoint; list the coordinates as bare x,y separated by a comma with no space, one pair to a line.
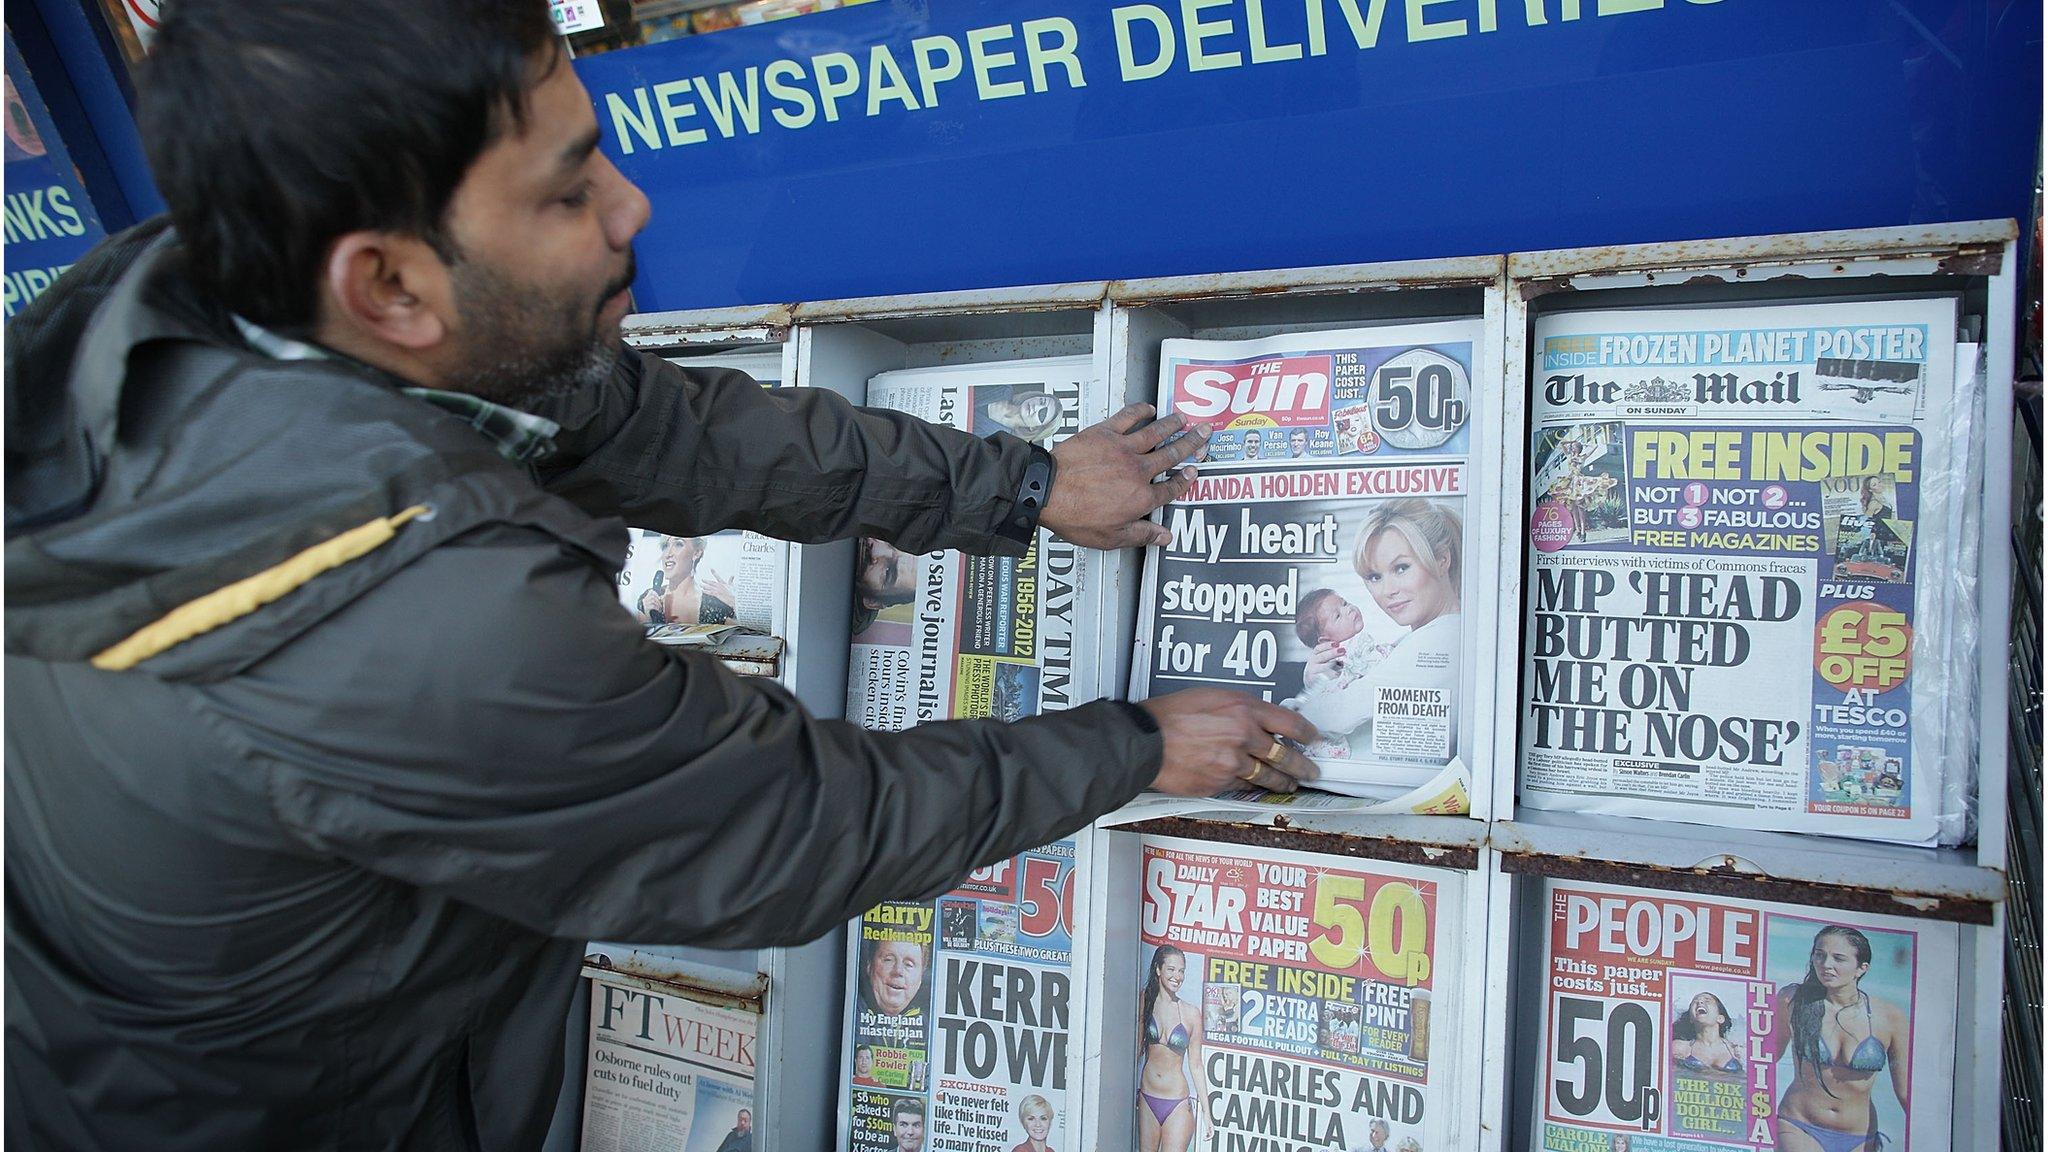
525,750
692,451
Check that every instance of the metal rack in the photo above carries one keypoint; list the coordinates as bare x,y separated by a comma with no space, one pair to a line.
2022,1046
1503,853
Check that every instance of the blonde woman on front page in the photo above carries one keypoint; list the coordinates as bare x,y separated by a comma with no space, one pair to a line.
1410,553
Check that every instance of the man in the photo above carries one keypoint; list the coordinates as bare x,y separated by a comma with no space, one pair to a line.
328,741
895,976
1297,443
1253,441
741,1138
906,1123
882,575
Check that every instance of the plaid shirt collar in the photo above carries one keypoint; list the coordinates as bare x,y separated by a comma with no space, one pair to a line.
519,436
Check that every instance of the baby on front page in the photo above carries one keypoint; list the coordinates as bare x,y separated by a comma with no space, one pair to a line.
1324,617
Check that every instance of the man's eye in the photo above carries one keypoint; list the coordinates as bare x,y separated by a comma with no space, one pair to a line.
578,198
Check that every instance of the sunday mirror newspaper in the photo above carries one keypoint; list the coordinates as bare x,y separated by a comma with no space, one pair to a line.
1321,559
1740,532
1681,1023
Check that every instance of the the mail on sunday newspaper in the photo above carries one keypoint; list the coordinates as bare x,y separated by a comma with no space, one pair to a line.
1738,545
1285,1001
1320,560
1681,1023
962,1014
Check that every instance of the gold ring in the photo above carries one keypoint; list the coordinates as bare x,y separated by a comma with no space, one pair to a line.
1274,753
1252,777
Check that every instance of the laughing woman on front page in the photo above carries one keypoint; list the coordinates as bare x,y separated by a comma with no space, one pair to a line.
1172,1093
1410,553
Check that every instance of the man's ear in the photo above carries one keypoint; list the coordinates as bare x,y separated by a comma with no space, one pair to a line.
388,288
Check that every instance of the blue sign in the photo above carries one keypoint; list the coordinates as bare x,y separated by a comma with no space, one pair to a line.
913,146
50,221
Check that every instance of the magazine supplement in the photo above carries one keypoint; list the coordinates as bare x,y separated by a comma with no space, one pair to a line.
664,1070
1286,1001
1321,560
1681,1023
1743,544
961,1031
962,1020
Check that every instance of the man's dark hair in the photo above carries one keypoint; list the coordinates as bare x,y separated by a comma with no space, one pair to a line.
275,128
905,1106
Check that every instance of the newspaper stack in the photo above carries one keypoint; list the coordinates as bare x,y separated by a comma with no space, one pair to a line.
962,1015
1321,559
1708,1024
1285,1001
1743,540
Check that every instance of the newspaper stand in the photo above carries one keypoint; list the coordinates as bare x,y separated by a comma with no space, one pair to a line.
795,1060
1962,885
1259,304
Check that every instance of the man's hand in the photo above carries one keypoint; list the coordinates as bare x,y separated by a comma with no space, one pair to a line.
1103,488
1217,739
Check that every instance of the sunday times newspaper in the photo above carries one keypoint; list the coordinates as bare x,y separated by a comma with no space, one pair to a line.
1740,535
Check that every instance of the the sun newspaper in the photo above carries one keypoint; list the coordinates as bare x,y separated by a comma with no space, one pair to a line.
1321,559
1681,1023
962,1012
1742,527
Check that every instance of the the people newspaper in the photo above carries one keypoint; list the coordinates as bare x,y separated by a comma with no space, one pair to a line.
1680,1023
1742,527
1321,559
663,1070
1285,1001
963,1013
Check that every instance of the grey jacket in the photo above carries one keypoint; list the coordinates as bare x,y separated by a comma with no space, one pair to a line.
314,873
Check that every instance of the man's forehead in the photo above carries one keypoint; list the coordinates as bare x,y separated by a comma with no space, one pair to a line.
559,125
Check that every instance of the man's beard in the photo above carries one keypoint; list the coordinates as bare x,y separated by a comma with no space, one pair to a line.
521,346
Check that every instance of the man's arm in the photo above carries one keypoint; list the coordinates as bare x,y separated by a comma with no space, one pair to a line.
501,733
691,451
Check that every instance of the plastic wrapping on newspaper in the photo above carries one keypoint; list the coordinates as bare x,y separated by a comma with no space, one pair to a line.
1682,1023
1320,559
1957,810
1742,575
961,1014
1285,1001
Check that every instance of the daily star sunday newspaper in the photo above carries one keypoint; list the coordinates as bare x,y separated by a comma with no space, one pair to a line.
1680,1023
961,1009
1320,559
1286,1001
1735,565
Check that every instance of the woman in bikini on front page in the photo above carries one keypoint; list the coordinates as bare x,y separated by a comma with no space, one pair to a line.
1171,1093
1842,1040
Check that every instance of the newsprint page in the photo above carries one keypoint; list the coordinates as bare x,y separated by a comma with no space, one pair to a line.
1681,1023
1320,560
1740,535
963,1012
1285,1001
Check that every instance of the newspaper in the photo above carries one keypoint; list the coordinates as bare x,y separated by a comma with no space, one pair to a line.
945,635
961,1010
729,577
1285,1001
1319,560
1678,1023
1740,533
962,1017
664,1071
